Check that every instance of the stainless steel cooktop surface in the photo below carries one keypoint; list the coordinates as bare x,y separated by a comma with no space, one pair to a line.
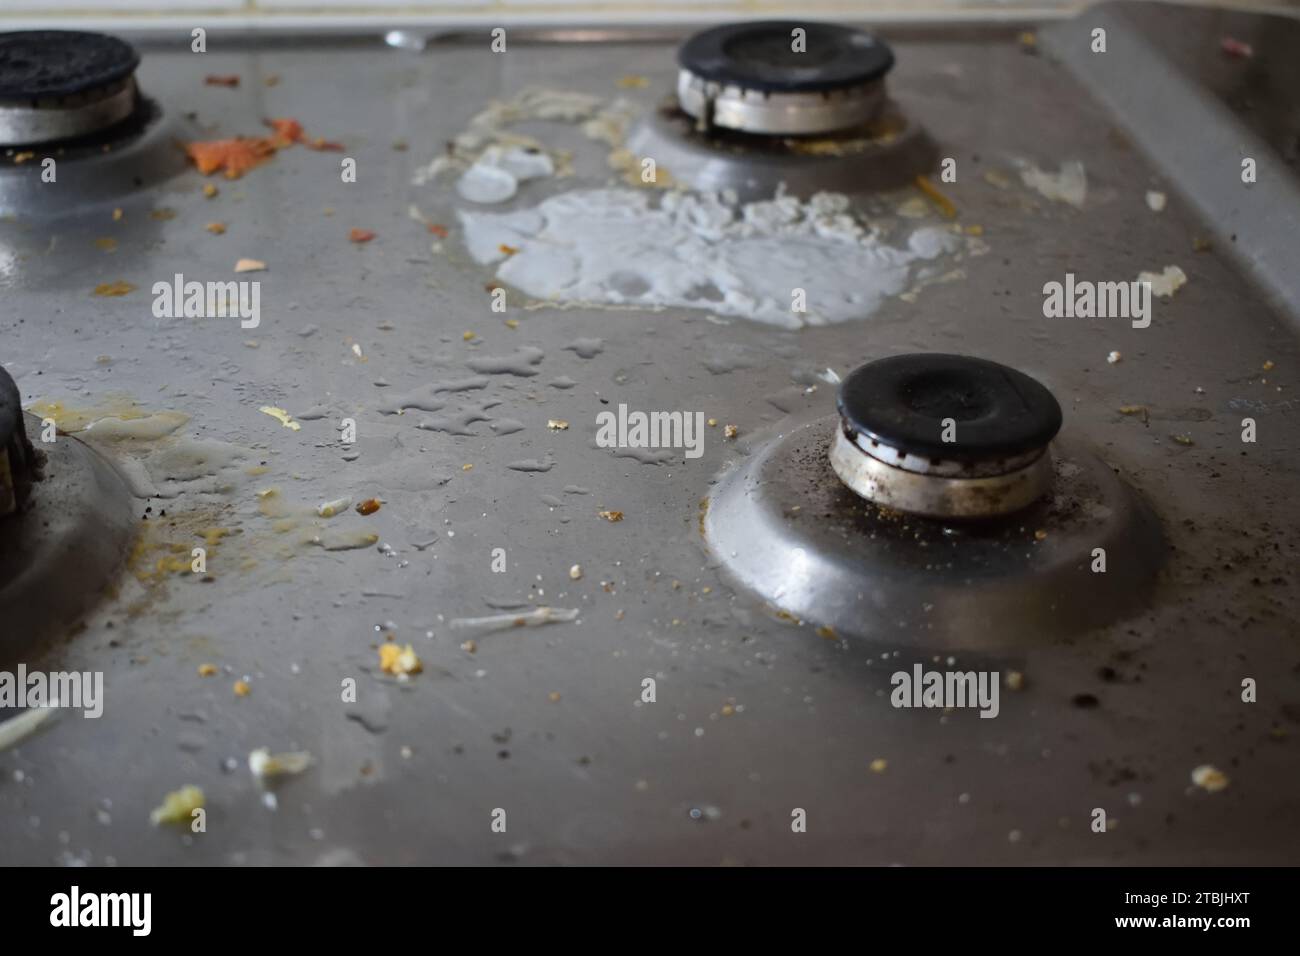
455,418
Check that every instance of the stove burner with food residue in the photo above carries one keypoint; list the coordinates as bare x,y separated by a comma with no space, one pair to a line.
947,436
781,77
58,85
784,102
1036,544
66,523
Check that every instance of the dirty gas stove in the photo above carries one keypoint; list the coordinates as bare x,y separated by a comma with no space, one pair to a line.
420,559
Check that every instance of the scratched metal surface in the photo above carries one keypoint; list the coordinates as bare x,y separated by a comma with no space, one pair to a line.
594,776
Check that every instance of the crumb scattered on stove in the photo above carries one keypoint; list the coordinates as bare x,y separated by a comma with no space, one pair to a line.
1114,357
553,697
266,766
827,632
1238,49
398,660
242,689
575,572
438,230
730,431
557,424
466,467
512,323
1040,535
1155,201
1166,282
361,235
611,515
1268,365
368,507
328,509
208,670
114,289
936,196
879,765
1015,680
1183,439
230,81
107,244
281,416
1209,778
210,190
250,265
178,806
631,81
469,336
712,423
216,228
506,250
469,647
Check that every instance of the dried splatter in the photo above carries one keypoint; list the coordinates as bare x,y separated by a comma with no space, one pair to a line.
238,155
113,289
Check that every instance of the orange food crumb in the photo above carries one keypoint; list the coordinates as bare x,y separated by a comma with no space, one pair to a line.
242,689
114,288
368,507
216,228
207,670
438,230
234,156
506,250
221,80
361,235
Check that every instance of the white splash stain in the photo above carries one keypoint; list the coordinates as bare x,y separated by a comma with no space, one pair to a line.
699,250
1069,185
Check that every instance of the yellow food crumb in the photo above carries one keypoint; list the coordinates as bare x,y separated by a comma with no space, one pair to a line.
209,190
1209,778
630,81
242,689
114,288
469,336
1268,365
553,696
216,228
466,467
117,215
730,431
1040,535
879,764
178,806
207,670
935,196
395,659
512,323
611,515
1015,680
713,423
281,416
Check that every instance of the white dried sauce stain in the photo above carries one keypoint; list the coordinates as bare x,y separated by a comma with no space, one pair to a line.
697,250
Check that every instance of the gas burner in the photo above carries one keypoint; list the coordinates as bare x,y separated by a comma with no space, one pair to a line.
58,85
17,458
66,522
767,78
947,436
810,522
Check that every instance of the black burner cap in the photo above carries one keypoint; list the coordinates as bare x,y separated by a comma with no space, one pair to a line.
901,401
52,63
758,56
